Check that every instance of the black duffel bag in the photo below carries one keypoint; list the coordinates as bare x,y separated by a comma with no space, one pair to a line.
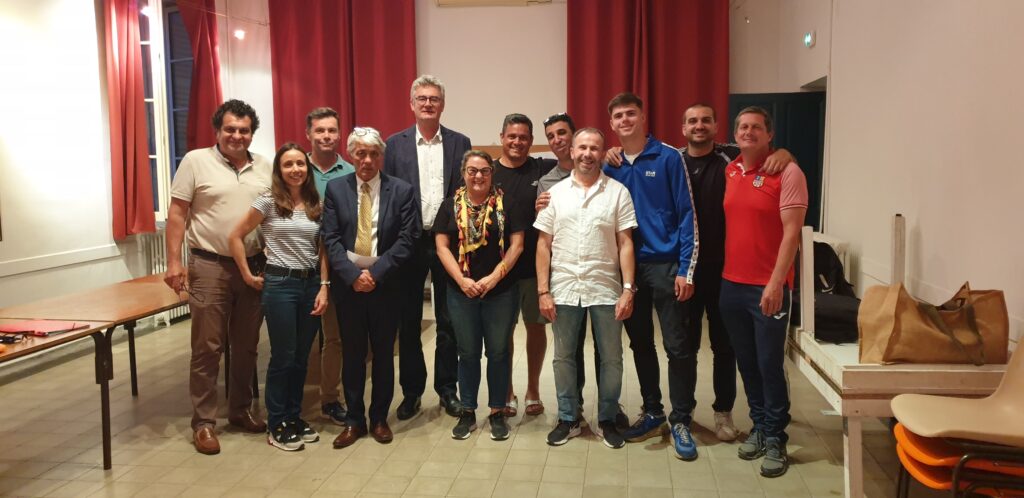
835,318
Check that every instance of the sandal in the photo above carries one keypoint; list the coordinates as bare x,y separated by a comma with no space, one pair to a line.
534,407
512,407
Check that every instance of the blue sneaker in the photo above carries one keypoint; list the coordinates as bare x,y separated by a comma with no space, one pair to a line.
645,427
686,448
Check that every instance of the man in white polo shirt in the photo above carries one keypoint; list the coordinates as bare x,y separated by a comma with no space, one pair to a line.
213,189
585,245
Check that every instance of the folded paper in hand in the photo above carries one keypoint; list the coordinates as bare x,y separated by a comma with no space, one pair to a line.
362,262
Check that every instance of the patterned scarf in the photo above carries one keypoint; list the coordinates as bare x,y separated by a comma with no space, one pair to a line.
472,222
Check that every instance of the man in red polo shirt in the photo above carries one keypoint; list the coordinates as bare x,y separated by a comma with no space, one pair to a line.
763,217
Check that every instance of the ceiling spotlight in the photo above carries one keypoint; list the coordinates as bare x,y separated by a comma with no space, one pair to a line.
240,34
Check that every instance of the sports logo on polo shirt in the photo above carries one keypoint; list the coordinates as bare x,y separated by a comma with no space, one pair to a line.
758,181
649,174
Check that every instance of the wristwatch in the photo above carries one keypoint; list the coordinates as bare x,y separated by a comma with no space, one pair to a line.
325,282
629,287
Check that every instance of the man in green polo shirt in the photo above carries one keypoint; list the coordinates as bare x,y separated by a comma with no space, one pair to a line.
322,131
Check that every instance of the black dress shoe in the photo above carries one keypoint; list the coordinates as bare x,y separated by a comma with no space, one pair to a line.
451,404
409,407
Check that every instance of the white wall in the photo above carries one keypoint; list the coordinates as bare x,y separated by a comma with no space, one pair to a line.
494,61
925,99
920,97
767,54
54,153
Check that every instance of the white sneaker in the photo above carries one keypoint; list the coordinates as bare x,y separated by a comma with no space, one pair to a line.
725,430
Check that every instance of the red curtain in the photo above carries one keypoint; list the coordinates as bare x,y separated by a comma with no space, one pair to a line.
205,94
671,53
356,56
131,181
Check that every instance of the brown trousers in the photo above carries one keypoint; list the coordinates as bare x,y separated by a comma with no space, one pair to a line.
330,356
225,311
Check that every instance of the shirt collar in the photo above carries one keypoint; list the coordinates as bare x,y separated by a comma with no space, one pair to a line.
602,179
339,163
747,168
420,140
224,159
374,184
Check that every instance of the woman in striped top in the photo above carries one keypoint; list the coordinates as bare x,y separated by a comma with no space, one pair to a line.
294,295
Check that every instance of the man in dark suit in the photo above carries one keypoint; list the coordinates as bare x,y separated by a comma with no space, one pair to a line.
370,225
428,156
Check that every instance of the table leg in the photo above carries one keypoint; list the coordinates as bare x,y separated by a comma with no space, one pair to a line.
104,372
130,327
853,457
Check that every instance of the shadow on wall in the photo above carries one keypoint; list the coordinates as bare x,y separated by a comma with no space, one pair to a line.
4,159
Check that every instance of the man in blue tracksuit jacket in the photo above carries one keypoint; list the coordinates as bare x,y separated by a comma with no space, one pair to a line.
666,243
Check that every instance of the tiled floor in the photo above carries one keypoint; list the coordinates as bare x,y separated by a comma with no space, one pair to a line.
50,443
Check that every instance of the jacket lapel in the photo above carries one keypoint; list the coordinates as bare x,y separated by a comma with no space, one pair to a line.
449,158
384,203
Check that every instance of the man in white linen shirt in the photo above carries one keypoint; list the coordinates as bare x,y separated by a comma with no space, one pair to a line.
585,242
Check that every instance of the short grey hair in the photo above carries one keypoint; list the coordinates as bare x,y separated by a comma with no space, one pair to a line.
426,80
364,135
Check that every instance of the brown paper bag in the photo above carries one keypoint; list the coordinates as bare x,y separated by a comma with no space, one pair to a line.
972,327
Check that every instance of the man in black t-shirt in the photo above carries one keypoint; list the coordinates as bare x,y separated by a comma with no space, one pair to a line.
705,162
518,174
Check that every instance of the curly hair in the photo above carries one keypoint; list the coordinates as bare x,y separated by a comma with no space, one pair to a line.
238,108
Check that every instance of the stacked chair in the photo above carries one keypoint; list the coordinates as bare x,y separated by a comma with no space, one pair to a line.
968,446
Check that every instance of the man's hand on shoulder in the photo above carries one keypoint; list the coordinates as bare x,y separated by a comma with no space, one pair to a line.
542,201
613,157
777,161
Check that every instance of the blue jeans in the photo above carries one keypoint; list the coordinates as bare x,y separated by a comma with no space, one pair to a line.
287,303
608,341
760,343
478,323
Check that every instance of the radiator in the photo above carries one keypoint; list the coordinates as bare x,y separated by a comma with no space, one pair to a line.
153,247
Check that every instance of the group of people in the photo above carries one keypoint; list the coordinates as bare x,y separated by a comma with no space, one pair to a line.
605,233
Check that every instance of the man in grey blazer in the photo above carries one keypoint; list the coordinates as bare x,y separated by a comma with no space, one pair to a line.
428,156
370,225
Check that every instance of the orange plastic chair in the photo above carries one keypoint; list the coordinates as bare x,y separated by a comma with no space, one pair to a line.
994,419
936,452
964,444
940,465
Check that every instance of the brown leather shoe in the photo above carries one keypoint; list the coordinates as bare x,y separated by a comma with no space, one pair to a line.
246,422
349,436
206,441
381,432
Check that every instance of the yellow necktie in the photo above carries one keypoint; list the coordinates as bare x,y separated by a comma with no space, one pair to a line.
363,236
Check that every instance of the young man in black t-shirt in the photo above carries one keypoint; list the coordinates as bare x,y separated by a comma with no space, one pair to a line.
705,162
518,174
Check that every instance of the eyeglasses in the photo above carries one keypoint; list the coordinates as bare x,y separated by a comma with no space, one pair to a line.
423,99
362,131
479,171
556,117
194,295
11,338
